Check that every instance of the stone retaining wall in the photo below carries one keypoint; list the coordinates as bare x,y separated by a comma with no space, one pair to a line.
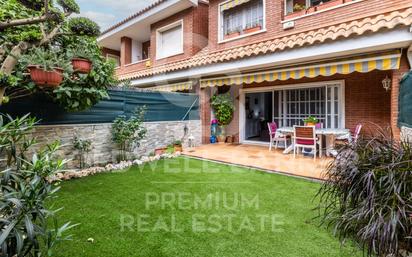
159,134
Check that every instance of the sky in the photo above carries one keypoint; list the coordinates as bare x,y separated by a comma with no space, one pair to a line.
107,12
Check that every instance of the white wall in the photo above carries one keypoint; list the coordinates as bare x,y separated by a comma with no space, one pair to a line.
136,51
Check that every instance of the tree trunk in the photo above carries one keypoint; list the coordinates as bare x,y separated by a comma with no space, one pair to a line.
10,63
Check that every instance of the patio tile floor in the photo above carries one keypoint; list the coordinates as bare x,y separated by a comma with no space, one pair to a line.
260,157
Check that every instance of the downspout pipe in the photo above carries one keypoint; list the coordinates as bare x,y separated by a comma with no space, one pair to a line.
409,55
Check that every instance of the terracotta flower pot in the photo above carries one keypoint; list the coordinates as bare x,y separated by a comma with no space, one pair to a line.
43,78
229,139
295,14
160,151
82,65
178,148
310,124
221,139
251,30
311,9
232,35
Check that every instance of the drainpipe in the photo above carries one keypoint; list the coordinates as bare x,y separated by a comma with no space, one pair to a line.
409,55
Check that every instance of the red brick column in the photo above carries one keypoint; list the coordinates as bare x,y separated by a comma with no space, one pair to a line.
125,51
205,116
396,78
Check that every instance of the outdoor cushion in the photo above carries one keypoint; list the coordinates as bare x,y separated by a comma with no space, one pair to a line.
305,141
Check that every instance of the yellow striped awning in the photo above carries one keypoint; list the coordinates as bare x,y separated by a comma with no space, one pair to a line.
232,3
387,61
173,87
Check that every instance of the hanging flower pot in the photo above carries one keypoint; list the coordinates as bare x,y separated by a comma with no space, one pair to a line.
82,65
44,78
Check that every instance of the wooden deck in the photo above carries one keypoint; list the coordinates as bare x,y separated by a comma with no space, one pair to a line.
260,157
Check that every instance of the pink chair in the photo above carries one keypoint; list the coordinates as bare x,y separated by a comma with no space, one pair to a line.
352,137
275,136
304,137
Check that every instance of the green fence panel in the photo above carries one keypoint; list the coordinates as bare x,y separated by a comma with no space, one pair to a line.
160,107
405,101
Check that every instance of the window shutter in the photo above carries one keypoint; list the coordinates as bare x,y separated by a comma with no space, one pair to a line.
171,42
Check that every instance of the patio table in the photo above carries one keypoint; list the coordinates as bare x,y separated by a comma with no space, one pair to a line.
329,133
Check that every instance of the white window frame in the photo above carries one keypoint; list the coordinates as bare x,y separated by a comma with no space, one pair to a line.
317,12
114,57
220,24
158,38
242,99
307,4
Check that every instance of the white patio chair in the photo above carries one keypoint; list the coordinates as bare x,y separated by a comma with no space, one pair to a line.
351,138
275,136
304,137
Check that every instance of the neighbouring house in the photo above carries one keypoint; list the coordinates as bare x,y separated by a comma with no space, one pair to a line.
281,60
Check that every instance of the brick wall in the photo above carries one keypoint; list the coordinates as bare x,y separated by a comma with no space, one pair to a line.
366,101
125,51
275,14
195,29
205,117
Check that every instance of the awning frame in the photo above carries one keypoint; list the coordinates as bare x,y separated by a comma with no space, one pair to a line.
232,3
383,61
186,85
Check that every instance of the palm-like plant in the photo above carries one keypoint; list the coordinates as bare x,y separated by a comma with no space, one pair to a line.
368,195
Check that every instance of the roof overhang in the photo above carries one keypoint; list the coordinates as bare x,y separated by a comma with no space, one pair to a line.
138,28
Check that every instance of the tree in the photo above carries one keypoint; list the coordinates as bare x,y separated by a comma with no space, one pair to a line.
26,25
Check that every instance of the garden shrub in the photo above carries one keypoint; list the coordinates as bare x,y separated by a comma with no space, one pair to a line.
28,227
368,195
127,133
83,147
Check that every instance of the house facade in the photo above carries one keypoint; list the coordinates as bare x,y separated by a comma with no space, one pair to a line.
281,60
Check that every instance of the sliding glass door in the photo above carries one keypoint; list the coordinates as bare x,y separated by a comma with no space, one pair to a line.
290,106
258,110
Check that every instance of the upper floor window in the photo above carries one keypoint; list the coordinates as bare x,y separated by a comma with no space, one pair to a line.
293,6
241,17
169,40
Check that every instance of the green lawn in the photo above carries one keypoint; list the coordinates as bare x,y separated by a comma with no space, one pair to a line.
208,209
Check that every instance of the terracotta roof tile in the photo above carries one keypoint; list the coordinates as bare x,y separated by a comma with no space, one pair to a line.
343,30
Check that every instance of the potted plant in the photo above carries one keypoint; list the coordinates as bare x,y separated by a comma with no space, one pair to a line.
160,151
311,9
81,58
311,121
223,108
232,33
298,10
221,138
46,67
178,146
253,27
170,149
